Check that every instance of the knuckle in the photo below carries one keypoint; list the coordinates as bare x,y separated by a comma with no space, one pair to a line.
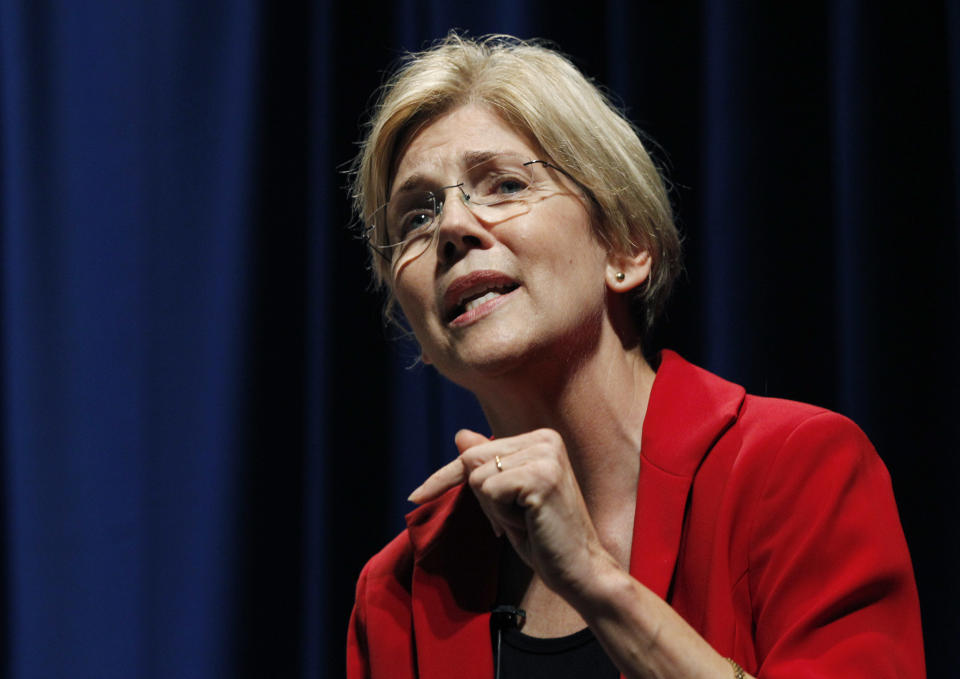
533,500
484,487
549,436
471,461
548,472
549,442
552,472
476,479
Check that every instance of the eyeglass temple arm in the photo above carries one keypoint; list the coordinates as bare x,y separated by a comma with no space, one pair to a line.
569,176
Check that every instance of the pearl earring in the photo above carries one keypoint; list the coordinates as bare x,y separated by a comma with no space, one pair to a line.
620,276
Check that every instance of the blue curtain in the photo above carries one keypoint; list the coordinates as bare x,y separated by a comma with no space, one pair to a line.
206,429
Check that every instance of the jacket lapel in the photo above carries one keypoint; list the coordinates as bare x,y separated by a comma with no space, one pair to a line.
457,556
689,409
456,562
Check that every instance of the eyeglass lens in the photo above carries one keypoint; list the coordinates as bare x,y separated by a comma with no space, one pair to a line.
497,189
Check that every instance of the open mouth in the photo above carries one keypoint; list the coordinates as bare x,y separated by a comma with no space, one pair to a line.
476,298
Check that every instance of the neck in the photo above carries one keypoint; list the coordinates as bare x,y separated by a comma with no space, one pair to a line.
596,404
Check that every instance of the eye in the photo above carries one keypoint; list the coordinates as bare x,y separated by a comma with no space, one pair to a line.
410,215
414,222
500,185
510,185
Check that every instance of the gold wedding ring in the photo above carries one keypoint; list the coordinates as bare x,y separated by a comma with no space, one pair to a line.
499,466
737,670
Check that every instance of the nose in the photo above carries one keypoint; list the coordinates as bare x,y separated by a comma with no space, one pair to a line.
458,229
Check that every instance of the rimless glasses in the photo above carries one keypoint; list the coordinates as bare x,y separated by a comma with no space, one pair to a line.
499,187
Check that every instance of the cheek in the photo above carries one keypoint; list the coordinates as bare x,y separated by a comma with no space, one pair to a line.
414,297
569,231
578,257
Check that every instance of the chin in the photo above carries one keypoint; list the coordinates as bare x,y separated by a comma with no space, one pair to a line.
474,367
469,368
482,357
515,352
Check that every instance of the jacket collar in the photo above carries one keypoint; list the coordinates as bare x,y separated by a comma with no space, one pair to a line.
457,556
454,588
689,410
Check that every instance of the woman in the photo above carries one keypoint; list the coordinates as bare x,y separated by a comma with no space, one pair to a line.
650,519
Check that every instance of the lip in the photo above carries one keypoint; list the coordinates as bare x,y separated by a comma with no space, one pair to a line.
469,284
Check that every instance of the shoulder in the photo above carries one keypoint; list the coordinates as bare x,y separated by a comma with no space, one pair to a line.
391,568
379,633
775,461
823,550
699,420
788,435
794,455
779,421
782,462
810,494
792,526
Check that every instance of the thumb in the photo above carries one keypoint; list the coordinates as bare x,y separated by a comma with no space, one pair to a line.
467,439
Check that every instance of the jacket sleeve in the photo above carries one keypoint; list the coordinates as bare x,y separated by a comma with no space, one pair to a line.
830,579
358,664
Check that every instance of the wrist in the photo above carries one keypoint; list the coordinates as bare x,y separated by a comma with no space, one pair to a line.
603,583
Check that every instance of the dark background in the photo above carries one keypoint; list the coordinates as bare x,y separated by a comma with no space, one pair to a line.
206,430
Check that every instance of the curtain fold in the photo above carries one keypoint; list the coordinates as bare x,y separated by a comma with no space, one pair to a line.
67,499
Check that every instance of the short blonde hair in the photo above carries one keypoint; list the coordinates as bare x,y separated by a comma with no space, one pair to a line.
542,94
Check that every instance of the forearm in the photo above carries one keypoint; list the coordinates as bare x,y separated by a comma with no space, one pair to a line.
641,633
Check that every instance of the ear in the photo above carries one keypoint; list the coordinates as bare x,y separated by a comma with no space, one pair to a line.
424,358
625,272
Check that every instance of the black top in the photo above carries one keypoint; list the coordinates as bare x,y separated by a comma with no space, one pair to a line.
579,655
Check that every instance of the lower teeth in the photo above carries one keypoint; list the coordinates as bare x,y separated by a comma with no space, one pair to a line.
474,303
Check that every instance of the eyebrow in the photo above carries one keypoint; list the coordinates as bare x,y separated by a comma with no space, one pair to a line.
410,183
470,158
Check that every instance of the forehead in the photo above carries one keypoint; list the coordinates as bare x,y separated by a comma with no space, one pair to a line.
452,142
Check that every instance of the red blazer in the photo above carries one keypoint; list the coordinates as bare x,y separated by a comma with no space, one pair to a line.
769,525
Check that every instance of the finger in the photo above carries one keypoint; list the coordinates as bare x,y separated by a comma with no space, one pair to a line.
497,497
475,451
449,475
466,439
